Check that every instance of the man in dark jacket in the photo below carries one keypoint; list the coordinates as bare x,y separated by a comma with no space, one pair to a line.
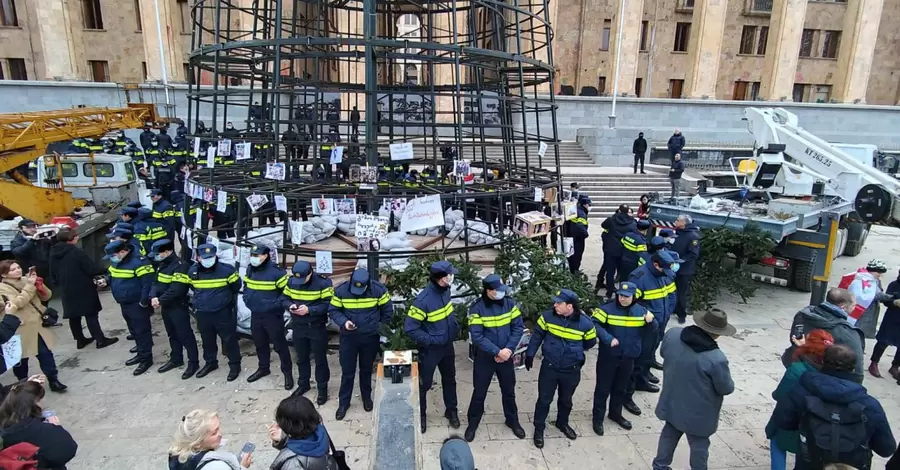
354,121
577,228
30,248
615,227
675,144
675,172
169,293
307,296
835,391
165,140
639,149
687,245
830,316
695,382
146,137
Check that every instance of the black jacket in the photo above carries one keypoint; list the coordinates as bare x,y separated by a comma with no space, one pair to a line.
30,252
676,170
165,141
57,447
676,143
354,116
72,272
617,227
639,146
145,138
687,245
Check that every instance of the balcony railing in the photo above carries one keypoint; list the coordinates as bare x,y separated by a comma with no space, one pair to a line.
760,7
684,6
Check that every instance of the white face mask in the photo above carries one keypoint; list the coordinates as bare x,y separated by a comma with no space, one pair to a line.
255,261
207,262
450,279
670,240
499,295
675,267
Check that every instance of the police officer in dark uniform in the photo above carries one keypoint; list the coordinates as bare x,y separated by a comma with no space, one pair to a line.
263,283
621,329
216,286
687,245
164,168
308,296
148,230
565,334
163,212
122,233
130,278
359,306
154,153
577,228
495,326
655,244
616,227
170,294
431,323
633,245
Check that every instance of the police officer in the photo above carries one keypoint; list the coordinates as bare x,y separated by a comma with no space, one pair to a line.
263,283
146,138
655,244
308,296
687,245
154,153
163,167
668,235
122,233
130,278
147,230
577,228
621,324
495,326
616,228
170,294
163,212
563,334
633,245
431,323
215,288
358,306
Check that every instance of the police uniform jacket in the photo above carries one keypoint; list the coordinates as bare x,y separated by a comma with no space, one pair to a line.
654,288
687,245
617,227
367,310
624,324
150,231
130,280
164,213
633,245
214,288
262,287
430,320
315,294
563,340
578,227
172,283
495,324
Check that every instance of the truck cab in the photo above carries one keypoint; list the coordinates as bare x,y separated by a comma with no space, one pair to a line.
89,177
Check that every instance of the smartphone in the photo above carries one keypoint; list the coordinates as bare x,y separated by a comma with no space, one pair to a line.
248,448
48,414
32,270
798,331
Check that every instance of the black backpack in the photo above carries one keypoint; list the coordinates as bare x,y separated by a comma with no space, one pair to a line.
834,433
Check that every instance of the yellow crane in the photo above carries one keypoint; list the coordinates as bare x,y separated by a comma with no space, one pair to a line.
25,137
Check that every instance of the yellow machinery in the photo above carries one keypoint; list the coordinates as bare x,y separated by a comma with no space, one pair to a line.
25,137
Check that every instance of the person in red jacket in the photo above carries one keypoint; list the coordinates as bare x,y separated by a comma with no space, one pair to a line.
643,211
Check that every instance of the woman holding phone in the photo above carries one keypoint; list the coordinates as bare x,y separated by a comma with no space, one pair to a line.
26,292
23,419
197,444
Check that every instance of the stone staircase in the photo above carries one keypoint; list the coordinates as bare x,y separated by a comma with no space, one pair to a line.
607,192
570,153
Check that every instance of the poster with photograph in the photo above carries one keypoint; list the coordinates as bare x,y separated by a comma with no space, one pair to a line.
369,228
396,205
337,156
345,206
255,201
366,244
242,151
355,176
368,174
224,148
209,194
462,168
323,206
275,171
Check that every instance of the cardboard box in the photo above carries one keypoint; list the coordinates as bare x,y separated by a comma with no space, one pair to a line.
532,224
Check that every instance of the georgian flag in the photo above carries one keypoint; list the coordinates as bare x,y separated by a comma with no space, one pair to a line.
864,286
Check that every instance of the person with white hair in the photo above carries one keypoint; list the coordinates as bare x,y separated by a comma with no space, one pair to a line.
197,441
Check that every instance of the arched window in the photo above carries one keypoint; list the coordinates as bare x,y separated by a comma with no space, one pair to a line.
409,28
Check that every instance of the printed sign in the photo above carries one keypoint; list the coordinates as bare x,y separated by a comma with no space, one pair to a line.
225,147
221,201
542,149
345,206
337,155
211,157
196,147
296,231
275,171
323,206
255,201
242,151
280,203
422,212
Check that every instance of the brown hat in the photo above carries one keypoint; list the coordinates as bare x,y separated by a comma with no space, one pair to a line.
715,322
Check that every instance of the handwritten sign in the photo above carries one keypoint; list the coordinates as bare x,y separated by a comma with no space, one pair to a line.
371,226
280,203
12,351
323,262
221,201
296,231
402,151
196,147
422,212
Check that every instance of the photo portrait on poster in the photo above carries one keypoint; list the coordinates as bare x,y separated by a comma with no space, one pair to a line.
323,206
345,206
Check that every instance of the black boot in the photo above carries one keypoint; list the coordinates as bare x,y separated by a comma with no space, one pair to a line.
129,338
517,430
368,405
648,387
133,349
631,407
300,390
82,343
470,432
423,423
55,385
652,378
190,370
622,422
598,428
453,417
341,412
134,361
233,374
288,381
260,373
538,438
102,343
206,369
567,431
169,365
143,367
322,398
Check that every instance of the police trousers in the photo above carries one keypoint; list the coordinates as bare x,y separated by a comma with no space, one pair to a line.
357,348
138,320
483,372
613,377
683,291
575,259
268,328
551,379
313,339
177,320
611,264
641,369
443,358
221,323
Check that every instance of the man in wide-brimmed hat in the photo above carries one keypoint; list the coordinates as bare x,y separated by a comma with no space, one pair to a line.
695,380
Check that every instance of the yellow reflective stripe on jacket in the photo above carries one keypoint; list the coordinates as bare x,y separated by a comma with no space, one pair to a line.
433,316
565,333
384,299
165,278
654,294
495,321
260,285
157,234
143,270
281,283
630,245
121,273
209,283
309,295
670,288
182,278
354,303
580,220
617,320
162,215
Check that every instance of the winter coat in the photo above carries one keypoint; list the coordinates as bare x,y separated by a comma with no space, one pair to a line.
687,245
430,320
676,170
368,311
837,388
695,381
218,460
262,288
889,332
563,340
72,274
894,463
617,227
625,324
639,146
310,453
30,252
315,294
495,324
57,447
833,320
676,143
214,288
30,311
788,441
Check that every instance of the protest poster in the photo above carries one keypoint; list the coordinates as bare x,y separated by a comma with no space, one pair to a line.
255,201
211,156
323,262
422,212
224,148
401,151
280,203
337,155
323,206
242,151
275,171
369,228
221,201
296,231
345,206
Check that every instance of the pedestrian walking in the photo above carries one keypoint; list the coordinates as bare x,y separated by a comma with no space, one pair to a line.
263,283
563,333
307,296
686,244
655,282
639,149
495,326
675,144
696,380
130,278
169,293
675,173
888,333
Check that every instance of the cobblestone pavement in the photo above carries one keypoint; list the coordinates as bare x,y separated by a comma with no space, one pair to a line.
121,421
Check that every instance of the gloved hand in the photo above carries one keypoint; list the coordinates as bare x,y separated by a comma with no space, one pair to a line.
529,362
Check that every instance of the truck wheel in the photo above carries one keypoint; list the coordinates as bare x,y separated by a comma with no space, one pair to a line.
857,232
803,274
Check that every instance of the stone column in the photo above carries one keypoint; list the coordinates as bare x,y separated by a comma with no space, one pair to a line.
783,50
60,32
172,53
857,50
705,48
631,44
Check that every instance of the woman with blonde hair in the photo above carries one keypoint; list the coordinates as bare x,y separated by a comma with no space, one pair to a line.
197,442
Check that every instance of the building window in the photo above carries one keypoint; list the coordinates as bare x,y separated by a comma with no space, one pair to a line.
748,91
8,16
93,17
763,39
675,88
806,43
685,5
601,85
645,35
799,92
682,36
822,93
137,16
604,39
184,9
99,70
830,44
17,69
188,74
761,6
748,40
638,86
144,70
